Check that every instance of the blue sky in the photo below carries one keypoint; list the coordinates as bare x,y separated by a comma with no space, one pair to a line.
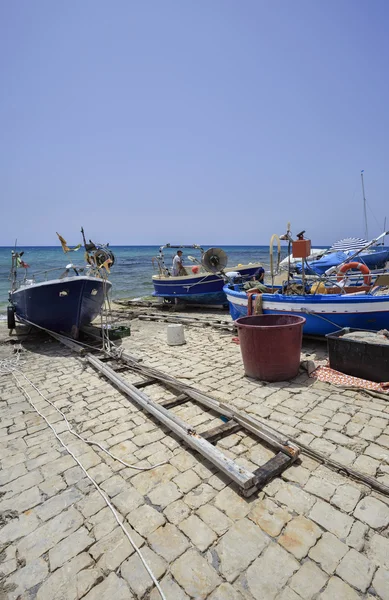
210,122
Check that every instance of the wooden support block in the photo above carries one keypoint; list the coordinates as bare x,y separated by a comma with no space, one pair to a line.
181,399
272,468
217,433
144,382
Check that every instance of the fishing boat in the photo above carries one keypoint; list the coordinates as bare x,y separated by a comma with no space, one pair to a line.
61,300
324,313
203,282
373,258
328,303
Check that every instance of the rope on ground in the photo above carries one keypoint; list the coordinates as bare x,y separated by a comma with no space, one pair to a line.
9,366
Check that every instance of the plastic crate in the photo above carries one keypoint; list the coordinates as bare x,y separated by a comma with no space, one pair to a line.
358,358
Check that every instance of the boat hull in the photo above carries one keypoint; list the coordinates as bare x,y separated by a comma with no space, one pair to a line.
61,305
198,289
373,260
323,313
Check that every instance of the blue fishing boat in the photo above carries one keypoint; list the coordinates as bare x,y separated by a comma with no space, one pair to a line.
358,306
203,282
373,258
61,302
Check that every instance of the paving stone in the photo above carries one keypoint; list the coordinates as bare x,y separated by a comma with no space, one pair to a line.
299,536
320,487
23,501
366,464
356,570
229,501
71,581
225,591
243,534
145,482
198,532
123,450
56,467
134,572
47,536
338,590
295,498
308,581
100,472
42,459
145,519
114,548
195,575
296,473
127,501
76,543
91,504
184,461
164,494
356,538
328,552
170,589
269,516
288,594
58,503
199,496
22,483
268,574
26,578
7,475
214,518
114,486
378,550
102,523
373,512
112,587
331,519
6,568
346,497
381,583
17,528
343,455
168,541
187,481
177,512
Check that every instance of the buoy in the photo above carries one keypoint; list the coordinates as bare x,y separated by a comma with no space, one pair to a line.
318,288
175,334
195,269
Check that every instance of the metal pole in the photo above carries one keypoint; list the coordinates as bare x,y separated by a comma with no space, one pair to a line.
364,207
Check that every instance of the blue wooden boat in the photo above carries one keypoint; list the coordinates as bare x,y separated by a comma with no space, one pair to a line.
374,259
324,313
68,301
201,284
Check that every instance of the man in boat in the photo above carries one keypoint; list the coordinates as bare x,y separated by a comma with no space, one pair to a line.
178,266
257,283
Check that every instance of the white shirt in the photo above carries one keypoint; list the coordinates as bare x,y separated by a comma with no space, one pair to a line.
177,264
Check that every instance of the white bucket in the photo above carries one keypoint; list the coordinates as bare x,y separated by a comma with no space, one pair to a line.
175,334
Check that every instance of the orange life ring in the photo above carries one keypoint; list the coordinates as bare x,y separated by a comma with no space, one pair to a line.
355,265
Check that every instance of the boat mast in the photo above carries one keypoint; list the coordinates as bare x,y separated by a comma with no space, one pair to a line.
364,207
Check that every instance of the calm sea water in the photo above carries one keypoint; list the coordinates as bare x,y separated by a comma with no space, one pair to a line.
133,269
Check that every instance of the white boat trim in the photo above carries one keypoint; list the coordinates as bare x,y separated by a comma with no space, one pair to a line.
202,275
25,287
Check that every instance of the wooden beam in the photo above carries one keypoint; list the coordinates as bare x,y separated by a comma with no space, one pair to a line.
144,382
272,468
221,431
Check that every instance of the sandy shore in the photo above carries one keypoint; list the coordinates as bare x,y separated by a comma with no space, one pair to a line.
310,533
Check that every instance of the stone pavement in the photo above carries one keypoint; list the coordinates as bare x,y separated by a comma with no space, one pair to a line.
310,534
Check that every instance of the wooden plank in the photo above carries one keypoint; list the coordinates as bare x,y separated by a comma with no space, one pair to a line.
217,433
181,399
144,382
272,468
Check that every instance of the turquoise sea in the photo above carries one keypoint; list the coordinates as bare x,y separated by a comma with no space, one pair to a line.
133,269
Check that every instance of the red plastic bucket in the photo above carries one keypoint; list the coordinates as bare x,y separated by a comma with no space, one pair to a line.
271,346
